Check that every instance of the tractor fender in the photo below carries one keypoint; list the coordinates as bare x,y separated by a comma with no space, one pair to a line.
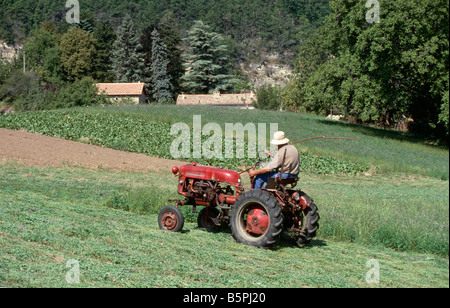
305,200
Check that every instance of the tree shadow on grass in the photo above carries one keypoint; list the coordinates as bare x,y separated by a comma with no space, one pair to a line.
381,132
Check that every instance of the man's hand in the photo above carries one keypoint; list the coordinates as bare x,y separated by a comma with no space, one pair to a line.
269,153
252,172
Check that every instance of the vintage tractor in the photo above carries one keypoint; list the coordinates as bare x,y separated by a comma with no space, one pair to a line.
257,217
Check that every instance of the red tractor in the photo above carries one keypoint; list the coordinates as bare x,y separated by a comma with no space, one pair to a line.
257,217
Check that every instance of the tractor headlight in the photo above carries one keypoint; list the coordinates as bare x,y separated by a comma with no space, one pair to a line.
175,170
296,196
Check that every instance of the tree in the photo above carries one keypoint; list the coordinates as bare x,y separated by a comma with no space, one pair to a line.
171,38
127,57
17,87
377,72
206,61
43,55
105,37
77,53
444,114
162,87
82,92
268,98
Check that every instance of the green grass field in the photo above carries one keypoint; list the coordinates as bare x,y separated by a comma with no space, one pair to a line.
397,214
53,215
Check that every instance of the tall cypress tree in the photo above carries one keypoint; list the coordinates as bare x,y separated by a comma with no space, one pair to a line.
105,36
162,87
167,28
206,61
127,58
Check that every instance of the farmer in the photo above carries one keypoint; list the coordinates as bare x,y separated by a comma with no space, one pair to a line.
286,160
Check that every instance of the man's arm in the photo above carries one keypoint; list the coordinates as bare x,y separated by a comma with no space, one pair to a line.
259,171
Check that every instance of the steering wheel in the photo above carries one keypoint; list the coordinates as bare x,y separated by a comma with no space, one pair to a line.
263,157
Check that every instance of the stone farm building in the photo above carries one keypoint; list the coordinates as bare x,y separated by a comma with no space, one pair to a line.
118,92
243,100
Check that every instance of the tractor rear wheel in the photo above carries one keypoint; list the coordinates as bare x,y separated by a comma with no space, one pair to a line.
171,219
310,225
256,219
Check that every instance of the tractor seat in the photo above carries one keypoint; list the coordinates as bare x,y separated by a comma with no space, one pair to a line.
271,182
289,181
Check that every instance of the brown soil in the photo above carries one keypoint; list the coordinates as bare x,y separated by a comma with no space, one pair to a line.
37,150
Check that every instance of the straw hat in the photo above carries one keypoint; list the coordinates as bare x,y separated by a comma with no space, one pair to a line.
279,138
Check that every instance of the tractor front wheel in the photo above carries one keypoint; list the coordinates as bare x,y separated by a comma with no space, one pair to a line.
256,219
171,219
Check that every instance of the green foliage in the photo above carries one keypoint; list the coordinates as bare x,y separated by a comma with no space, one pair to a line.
60,53
167,28
127,57
43,55
206,61
148,200
376,72
82,92
105,36
17,87
444,116
25,92
269,98
77,53
277,23
85,25
330,165
4,69
162,87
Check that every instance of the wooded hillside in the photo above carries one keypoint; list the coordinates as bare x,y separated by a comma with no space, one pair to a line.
276,25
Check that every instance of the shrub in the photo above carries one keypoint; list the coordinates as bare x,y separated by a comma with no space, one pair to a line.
17,86
269,98
82,92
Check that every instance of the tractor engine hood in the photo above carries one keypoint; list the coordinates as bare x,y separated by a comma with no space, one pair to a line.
208,173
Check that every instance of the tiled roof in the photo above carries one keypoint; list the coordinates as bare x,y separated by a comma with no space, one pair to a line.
121,88
216,99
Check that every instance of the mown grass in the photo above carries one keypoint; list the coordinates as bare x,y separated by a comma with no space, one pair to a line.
400,212
52,215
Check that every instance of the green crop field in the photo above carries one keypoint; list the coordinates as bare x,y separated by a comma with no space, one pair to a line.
384,196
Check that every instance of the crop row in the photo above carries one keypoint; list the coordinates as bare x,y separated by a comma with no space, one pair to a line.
138,134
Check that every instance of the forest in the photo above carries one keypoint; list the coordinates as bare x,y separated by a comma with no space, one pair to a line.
390,72
279,25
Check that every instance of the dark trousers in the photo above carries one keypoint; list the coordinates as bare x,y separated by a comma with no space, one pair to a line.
261,179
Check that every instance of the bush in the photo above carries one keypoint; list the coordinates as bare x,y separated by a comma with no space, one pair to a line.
82,92
17,86
26,93
269,98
